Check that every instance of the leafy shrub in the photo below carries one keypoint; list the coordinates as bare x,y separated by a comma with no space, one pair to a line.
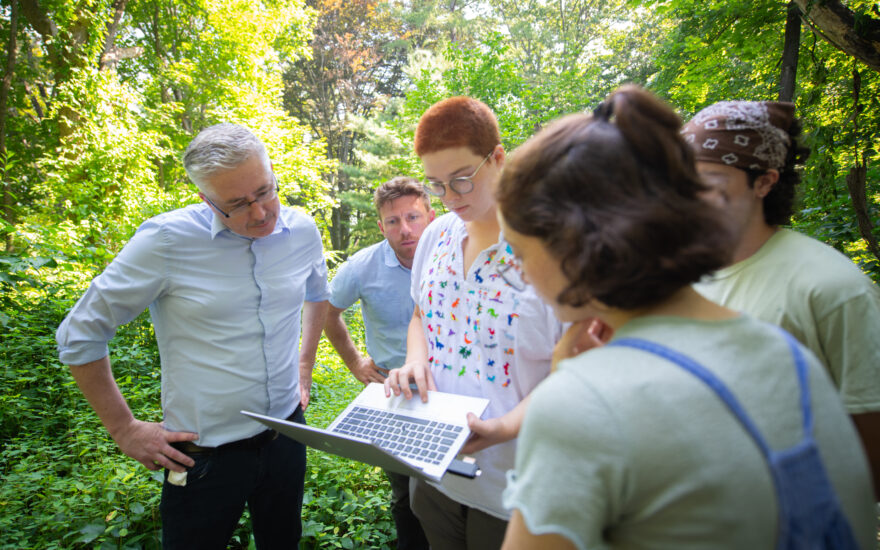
346,504
66,484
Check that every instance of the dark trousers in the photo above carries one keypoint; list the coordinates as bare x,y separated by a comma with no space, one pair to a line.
450,525
268,477
409,531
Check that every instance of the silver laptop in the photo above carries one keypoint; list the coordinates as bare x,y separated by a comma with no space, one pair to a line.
407,437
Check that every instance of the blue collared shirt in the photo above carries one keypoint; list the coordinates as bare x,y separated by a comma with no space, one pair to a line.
226,311
375,277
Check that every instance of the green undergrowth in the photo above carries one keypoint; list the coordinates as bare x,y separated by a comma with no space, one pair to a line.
65,484
346,504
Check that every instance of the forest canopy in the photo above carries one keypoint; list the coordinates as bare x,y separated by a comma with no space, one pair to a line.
99,98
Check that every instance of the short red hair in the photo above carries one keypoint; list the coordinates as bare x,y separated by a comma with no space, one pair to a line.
457,122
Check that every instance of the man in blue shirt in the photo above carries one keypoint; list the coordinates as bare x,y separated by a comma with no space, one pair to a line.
379,276
228,282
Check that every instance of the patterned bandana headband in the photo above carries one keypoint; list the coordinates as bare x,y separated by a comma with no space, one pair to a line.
750,135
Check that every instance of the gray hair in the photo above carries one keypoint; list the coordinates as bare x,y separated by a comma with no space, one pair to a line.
220,147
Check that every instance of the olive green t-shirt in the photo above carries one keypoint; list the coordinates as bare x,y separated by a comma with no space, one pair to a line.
820,297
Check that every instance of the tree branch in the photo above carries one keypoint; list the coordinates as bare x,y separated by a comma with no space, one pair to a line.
38,18
857,36
107,57
788,74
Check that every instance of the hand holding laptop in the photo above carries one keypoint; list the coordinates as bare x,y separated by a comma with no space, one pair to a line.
398,380
492,431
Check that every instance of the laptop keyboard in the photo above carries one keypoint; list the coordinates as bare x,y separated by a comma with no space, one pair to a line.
401,435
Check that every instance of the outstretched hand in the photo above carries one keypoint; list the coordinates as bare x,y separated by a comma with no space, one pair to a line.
485,433
150,444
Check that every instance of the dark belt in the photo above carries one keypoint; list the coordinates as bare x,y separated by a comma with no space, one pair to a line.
251,443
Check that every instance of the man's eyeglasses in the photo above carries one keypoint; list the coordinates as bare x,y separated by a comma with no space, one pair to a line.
262,198
460,185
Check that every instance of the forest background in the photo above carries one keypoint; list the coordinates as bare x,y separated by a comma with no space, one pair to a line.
100,97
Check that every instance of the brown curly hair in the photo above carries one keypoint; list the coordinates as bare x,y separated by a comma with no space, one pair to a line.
401,186
615,197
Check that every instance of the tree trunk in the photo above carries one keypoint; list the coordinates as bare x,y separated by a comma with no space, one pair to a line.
8,213
855,182
788,76
108,57
833,21
857,177
66,50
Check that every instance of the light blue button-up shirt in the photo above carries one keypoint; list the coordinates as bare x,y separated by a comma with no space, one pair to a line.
226,311
375,277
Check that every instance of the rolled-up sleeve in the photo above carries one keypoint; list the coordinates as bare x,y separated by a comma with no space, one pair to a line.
132,281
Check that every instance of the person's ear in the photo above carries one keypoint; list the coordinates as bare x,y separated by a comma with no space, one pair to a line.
498,155
765,182
381,229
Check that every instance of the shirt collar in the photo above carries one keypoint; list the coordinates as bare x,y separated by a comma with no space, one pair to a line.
388,253
216,225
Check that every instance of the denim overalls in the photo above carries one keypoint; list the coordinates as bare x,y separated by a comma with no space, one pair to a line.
810,516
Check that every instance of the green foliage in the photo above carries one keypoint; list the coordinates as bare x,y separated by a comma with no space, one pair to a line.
713,51
65,483
102,180
690,53
356,55
486,72
346,504
93,148
110,135
384,152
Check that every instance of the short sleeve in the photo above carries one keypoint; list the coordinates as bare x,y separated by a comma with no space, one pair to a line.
570,464
132,281
851,343
344,289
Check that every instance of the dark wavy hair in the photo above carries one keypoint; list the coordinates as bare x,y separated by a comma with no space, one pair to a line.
779,202
615,198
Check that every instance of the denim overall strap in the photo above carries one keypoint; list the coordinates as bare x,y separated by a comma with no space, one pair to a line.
800,366
810,516
811,513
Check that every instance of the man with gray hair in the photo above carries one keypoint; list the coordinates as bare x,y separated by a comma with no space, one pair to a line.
229,282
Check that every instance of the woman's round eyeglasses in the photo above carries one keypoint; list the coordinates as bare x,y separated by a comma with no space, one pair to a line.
460,185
